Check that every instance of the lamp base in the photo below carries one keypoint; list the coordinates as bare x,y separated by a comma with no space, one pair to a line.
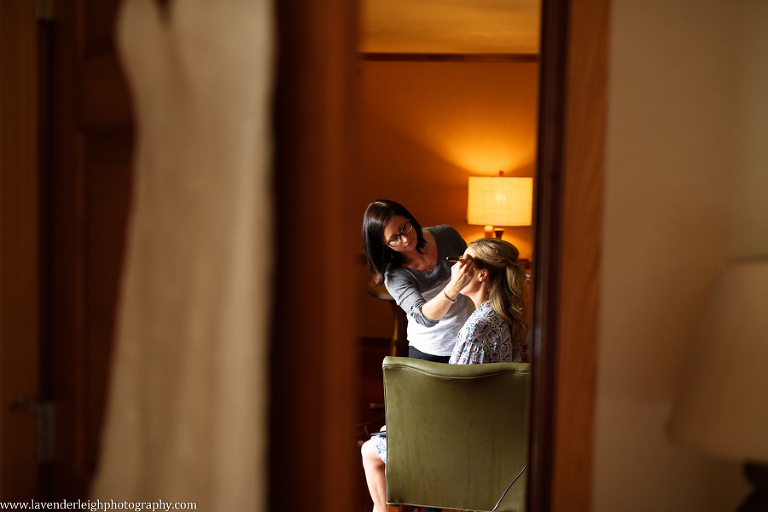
757,475
491,231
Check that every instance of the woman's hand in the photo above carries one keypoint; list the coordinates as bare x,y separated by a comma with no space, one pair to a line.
461,275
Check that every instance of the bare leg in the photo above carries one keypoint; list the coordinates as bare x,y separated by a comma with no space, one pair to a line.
375,476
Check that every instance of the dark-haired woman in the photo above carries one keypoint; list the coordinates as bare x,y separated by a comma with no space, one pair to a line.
411,262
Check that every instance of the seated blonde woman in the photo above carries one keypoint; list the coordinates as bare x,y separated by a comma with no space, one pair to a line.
494,333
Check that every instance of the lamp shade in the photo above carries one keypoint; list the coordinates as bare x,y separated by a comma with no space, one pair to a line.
500,201
722,407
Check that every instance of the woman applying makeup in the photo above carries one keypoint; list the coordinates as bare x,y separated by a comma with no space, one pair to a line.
411,262
494,333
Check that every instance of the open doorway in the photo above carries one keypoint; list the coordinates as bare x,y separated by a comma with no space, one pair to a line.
446,91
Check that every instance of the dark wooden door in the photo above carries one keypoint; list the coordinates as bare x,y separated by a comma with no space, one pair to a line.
87,191
19,251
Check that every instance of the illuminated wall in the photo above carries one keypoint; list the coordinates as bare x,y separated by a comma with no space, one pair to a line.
427,126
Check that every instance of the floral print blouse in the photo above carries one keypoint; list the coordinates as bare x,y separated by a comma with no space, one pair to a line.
485,338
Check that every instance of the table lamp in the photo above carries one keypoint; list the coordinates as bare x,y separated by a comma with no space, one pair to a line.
722,406
496,201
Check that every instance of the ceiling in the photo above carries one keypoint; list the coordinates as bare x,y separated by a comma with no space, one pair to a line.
450,26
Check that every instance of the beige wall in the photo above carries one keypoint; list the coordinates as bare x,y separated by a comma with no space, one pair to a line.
686,188
425,128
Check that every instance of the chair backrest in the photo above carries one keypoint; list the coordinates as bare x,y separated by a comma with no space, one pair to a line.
456,434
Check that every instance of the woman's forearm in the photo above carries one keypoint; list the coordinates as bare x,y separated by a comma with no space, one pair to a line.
438,306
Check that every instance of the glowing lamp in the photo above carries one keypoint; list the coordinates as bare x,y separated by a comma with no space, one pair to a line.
497,201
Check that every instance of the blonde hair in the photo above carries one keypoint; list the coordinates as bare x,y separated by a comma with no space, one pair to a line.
506,283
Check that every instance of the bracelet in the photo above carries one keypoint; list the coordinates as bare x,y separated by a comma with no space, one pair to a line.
452,301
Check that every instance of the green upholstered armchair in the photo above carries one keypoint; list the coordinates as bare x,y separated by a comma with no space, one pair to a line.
456,434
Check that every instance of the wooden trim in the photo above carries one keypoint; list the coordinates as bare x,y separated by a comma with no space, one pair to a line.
313,381
568,241
450,57
581,240
547,228
19,248
46,88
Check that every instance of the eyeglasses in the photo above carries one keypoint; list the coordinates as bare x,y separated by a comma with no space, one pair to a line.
395,240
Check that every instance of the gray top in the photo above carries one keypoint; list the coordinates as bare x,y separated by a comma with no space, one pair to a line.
411,289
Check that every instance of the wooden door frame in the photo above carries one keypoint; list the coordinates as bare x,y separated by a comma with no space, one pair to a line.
579,255
568,236
568,252
314,360
20,279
